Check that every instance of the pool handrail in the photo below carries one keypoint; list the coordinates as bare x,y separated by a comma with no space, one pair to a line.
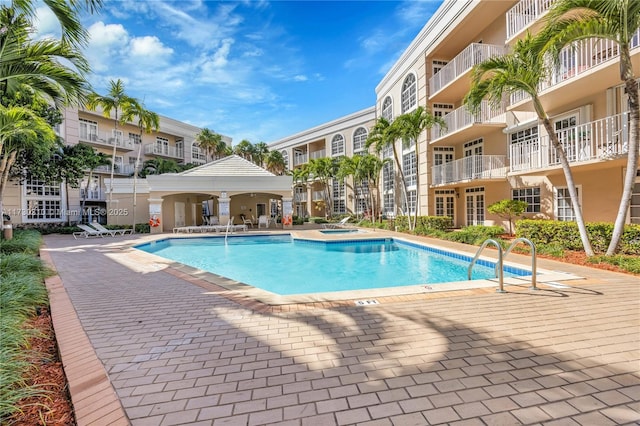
534,262
498,269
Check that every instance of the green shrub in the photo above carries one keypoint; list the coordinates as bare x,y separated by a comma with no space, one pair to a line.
627,263
316,219
23,241
475,235
552,249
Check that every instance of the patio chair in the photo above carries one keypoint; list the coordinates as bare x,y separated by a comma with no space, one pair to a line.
263,220
87,232
113,232
246,221
337,224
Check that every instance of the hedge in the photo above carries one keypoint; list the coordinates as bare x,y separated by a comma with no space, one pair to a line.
425,224
566,234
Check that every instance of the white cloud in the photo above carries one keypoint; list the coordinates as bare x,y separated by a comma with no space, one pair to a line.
46,24
149,47
107,43
300,78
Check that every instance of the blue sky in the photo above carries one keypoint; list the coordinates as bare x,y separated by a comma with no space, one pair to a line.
254,70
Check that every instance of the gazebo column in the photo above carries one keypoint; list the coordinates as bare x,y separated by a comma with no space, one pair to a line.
223,208
287,212
156,221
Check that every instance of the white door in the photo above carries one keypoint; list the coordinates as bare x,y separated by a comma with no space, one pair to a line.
179,213
634,209
475,207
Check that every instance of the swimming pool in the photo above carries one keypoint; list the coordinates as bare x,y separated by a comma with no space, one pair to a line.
286,266
341,231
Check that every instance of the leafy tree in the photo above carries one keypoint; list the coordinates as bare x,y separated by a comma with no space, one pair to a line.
371,166
244,149
116,100
260,152
617,21
323,170
158,166
508,209
410,126
300,175
524,69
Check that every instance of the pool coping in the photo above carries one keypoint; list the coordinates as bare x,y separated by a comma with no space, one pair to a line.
242,291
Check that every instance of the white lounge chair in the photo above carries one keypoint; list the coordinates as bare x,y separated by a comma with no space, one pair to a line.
336,225
113,232
88,232
263,220
246,221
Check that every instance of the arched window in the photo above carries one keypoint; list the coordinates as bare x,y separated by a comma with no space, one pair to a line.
409,93
359,140
285,157
337,145
387,109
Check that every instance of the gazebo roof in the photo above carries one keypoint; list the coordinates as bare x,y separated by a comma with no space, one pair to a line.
232,165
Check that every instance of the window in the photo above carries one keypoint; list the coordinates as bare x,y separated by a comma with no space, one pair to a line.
530,195
440,110
564,210
474,200
412,200
409,167
409,93
135,138
285,157
43,202
359,139
361,206
337,145
197,155
339,206
388,204
387,109
162,146
437,65
338,188
387,177
88,130
529,134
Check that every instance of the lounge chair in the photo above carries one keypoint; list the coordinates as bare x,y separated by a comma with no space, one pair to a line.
263,220
113,232
337,224
88,232
246,221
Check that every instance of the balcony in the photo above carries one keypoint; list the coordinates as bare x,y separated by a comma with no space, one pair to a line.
461,119
300,197
92,194
163,151
599,140
475,167
106,139
577,60
523,14
299,159
119,169
459,66
314,155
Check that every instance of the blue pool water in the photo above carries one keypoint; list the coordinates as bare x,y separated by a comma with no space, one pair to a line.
285,266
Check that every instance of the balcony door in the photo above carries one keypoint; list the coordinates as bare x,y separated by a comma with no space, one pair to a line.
474,206
441,156
634,209
473,159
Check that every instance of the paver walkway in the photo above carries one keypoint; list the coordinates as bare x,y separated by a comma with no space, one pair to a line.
176,353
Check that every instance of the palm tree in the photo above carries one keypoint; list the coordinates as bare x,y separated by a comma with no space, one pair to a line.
383,135
20,129
371,167
323,170
39,66
410,126
300,174
158,166
349,167
148,121
244,149
260,151
274,162
616,20
115,100
210,142
523,70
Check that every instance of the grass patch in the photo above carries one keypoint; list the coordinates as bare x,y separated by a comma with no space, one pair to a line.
624,262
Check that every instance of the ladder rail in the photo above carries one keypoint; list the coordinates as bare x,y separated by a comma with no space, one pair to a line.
498,269
534,262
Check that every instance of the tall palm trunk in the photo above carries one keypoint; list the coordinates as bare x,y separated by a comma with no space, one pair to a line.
405,200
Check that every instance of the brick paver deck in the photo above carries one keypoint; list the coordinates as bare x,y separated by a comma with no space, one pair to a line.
177,353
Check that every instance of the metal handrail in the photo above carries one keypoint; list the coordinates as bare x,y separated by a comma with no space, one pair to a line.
534,266
498,269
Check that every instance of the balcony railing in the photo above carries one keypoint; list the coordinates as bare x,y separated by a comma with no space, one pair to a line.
120,169
577,59
462,117
300,159
163,150
300,197
314,155
463,62
524,13
470,168
603,139
106,139
92,194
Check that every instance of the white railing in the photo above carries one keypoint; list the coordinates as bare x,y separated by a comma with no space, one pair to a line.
119,169
524,13
470,168
461,118
314,155
300,159
577,59
463,62
602,139
300,197
92,194
106,139
163,150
